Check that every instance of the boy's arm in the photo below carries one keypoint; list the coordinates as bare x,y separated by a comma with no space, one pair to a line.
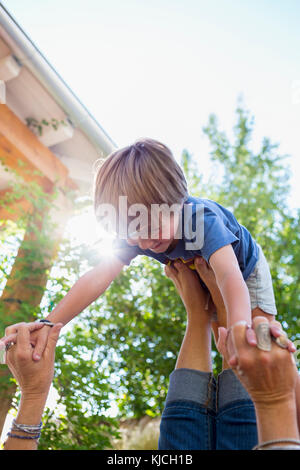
87,289
231,284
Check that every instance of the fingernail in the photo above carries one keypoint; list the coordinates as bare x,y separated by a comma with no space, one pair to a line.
36,357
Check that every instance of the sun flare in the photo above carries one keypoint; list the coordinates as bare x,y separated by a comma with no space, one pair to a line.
85,229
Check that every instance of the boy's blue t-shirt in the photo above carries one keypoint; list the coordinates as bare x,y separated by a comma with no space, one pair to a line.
220,229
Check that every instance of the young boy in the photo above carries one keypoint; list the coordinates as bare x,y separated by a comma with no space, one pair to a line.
146,176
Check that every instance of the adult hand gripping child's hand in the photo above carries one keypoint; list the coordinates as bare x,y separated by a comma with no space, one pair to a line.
34,378
268,376
38,337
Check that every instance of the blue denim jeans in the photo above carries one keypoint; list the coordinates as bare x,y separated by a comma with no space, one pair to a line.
202,413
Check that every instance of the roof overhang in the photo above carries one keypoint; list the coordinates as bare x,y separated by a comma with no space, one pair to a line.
35,90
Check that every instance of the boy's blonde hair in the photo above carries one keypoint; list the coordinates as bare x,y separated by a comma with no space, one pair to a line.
146,172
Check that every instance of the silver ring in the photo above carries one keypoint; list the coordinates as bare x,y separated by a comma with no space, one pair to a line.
9,345
262,331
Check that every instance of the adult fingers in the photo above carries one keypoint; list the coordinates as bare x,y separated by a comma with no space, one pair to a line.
40,344
170,271
276,328
52,339
22,348
23,340
277,332
201,265
239,338
184,270
12,329
261,327
12,337
224,347
221,344
251,337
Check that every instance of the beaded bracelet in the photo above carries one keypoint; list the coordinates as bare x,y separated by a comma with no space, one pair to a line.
37,436
46,322
28,428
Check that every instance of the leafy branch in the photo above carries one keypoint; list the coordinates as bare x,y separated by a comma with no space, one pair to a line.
37,127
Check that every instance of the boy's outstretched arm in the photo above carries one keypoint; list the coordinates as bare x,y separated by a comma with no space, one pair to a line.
85,291
232,285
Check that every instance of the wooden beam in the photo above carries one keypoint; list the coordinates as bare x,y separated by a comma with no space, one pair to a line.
15,209
19,144
11,157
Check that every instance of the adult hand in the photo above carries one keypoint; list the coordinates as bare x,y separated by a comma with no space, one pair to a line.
269,376
38,337
34,378
189,288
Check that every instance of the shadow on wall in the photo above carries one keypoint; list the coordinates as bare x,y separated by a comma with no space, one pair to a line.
138,434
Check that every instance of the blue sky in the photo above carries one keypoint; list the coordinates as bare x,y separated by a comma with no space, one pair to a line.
159,68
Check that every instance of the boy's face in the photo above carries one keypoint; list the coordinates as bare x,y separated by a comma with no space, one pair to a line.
160,235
